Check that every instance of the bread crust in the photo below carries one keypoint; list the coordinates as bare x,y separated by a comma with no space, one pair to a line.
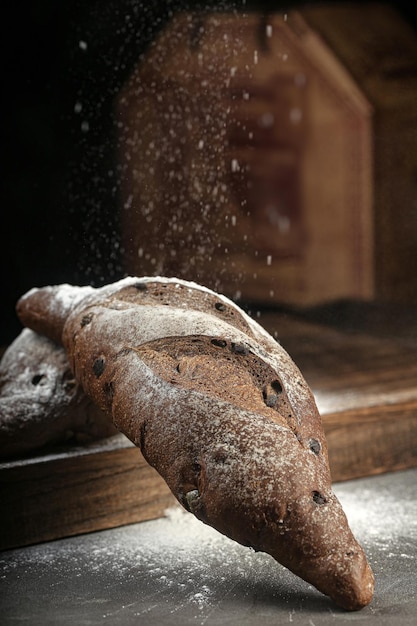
221,411
40,400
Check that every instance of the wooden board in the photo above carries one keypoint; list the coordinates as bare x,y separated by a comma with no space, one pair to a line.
366,390
73,491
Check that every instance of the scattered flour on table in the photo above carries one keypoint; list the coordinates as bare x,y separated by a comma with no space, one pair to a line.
378,520
174,557
176,564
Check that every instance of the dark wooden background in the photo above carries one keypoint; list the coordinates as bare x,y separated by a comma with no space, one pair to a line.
59,188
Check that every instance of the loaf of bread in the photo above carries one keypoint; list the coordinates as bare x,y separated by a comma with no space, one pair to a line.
40,400
221,411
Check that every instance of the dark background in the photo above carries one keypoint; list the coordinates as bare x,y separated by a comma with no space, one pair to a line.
59,180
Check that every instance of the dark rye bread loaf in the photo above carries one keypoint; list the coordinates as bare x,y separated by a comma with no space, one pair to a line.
40,400
218,407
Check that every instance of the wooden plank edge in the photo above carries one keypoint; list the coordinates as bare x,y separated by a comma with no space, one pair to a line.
78,493
372,440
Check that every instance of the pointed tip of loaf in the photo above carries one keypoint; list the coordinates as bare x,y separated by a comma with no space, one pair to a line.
45,309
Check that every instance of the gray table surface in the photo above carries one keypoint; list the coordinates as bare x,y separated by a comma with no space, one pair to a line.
175,570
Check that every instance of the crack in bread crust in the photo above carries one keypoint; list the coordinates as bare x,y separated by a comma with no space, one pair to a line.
221,368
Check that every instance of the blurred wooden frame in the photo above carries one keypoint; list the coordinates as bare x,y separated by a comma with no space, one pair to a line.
272,157
247,161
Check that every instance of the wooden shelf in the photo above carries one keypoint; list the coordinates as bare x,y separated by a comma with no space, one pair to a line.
78,490
366,390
